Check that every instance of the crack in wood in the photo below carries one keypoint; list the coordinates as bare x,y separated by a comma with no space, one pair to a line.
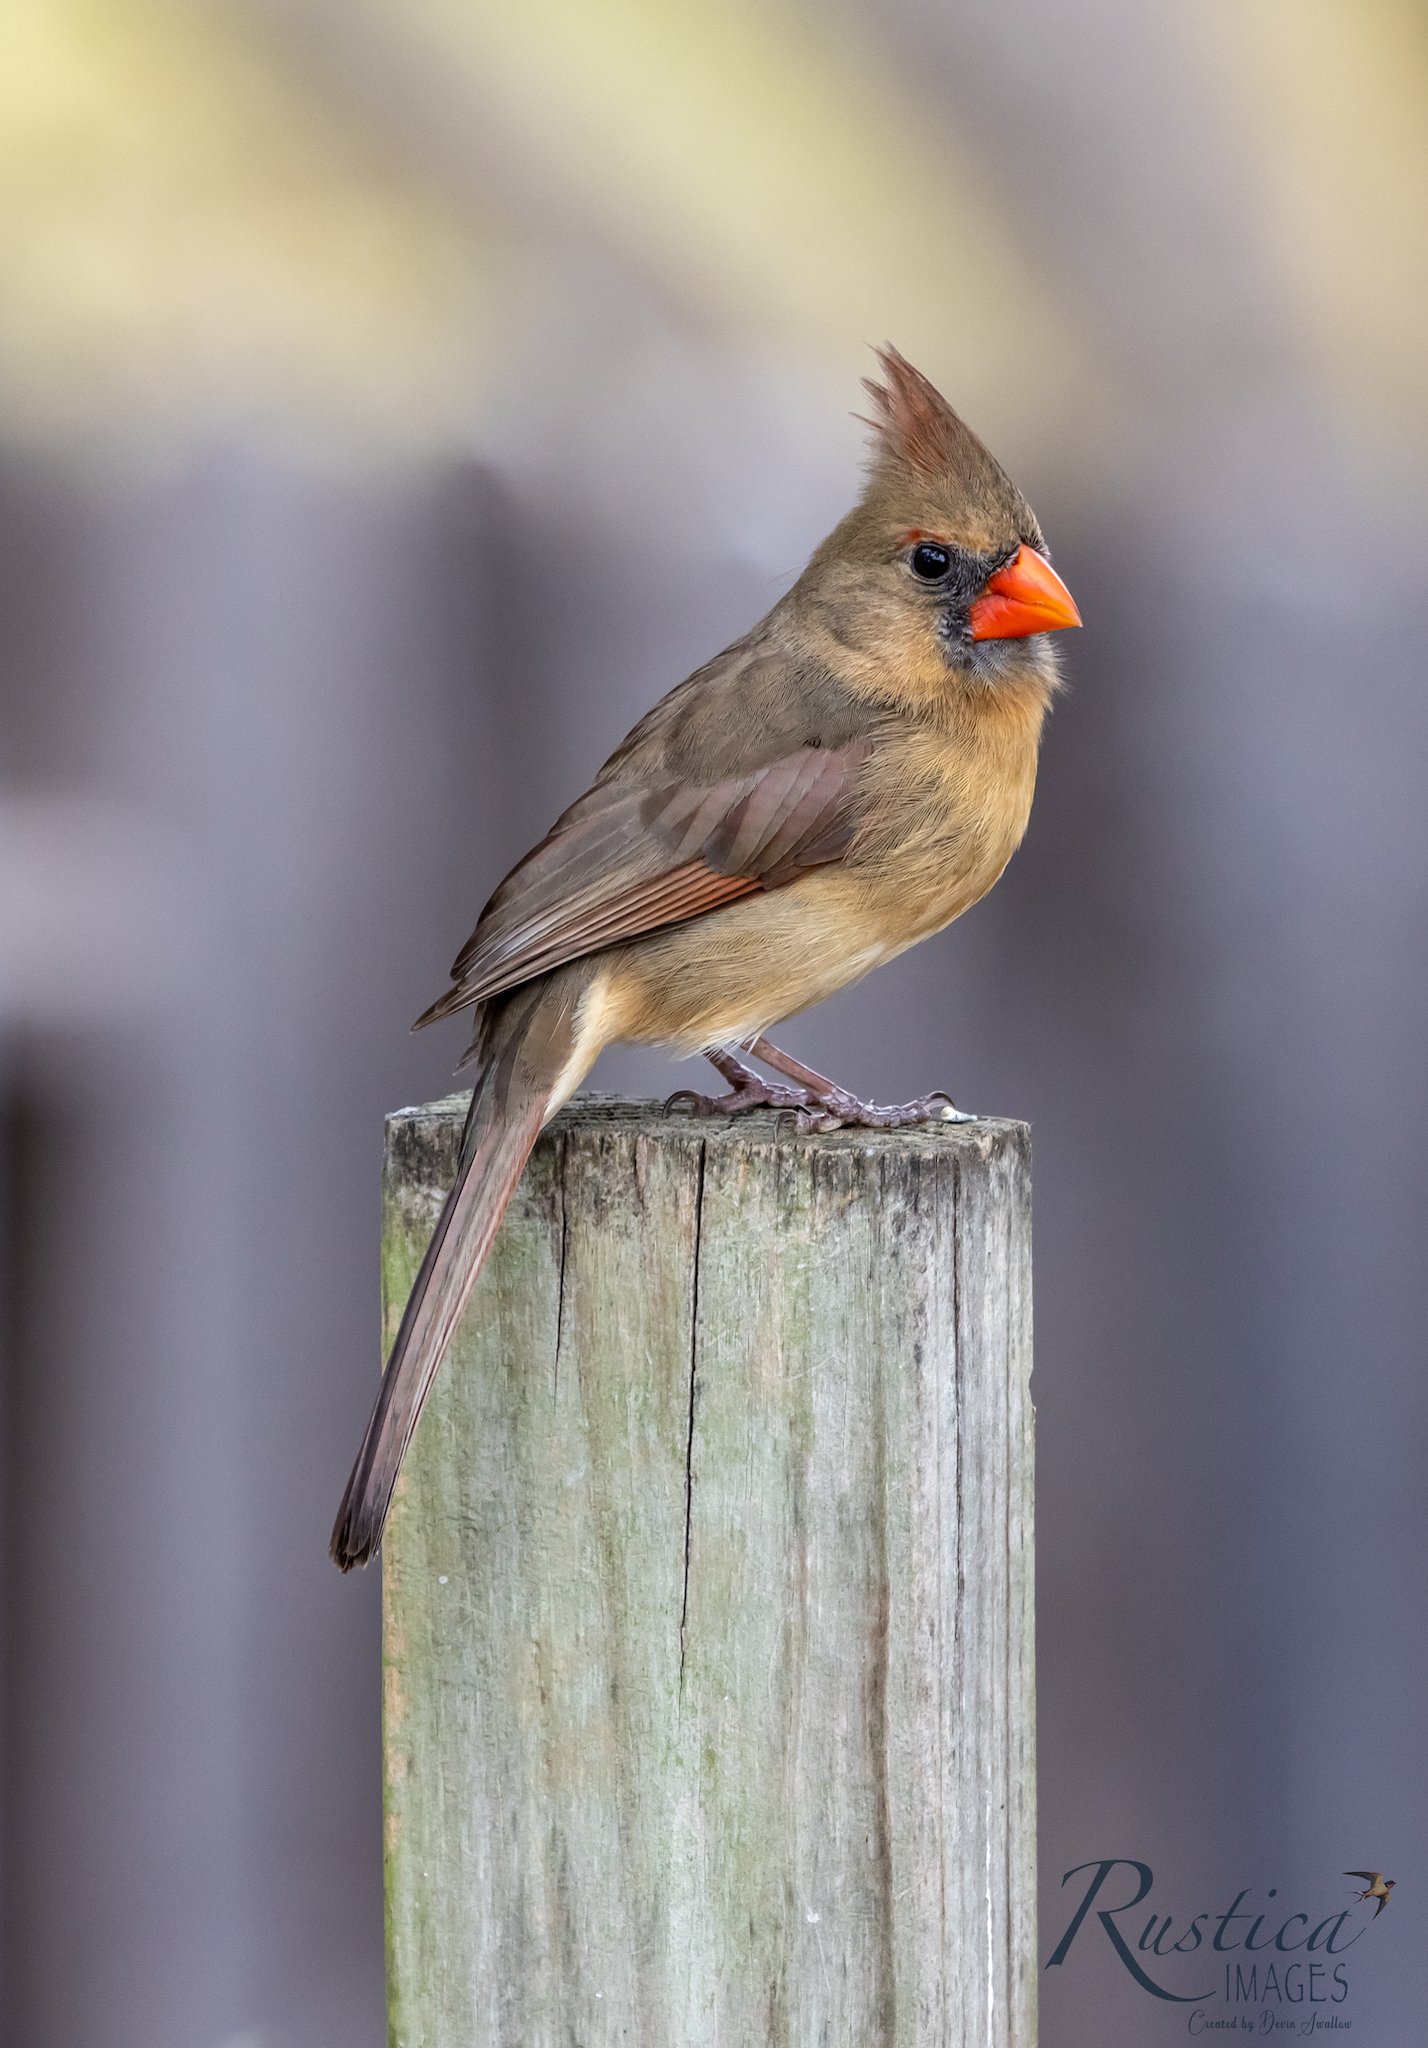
562,1162
693,1362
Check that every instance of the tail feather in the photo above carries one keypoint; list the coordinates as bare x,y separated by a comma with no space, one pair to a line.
514,1096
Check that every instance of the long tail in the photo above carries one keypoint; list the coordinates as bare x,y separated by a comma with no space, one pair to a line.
526,1053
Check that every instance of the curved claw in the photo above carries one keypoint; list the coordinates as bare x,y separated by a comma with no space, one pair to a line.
690,1101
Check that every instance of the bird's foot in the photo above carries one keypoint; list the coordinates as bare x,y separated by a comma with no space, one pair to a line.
827,1107
747,1090
815,1102
761,1095
839,1110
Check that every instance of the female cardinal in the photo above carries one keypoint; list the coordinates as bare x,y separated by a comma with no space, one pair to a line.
846,779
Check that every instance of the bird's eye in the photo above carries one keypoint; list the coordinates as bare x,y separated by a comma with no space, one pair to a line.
928,562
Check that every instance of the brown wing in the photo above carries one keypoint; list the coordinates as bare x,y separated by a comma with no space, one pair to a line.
628,859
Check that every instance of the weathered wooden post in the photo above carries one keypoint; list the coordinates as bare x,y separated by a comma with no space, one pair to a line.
708,1596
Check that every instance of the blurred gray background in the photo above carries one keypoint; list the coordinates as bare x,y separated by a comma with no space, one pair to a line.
393,402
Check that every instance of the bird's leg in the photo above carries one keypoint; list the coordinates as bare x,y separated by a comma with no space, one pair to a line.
747,1090
826,1106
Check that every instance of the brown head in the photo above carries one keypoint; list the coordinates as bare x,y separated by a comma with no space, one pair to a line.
940,574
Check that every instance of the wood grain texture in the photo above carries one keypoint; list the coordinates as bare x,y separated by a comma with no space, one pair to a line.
708,1596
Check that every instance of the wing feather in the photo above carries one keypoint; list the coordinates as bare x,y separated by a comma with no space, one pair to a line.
626,860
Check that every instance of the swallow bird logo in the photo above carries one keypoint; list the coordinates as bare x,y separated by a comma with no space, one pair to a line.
1378,1885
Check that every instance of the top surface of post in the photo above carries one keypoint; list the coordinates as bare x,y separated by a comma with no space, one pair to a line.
432,1129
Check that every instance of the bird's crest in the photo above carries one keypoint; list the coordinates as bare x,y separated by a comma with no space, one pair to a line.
913,424
918,439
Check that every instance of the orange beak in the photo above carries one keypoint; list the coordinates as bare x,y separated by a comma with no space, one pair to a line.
1027,596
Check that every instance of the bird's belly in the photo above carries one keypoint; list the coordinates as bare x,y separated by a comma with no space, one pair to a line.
726,977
